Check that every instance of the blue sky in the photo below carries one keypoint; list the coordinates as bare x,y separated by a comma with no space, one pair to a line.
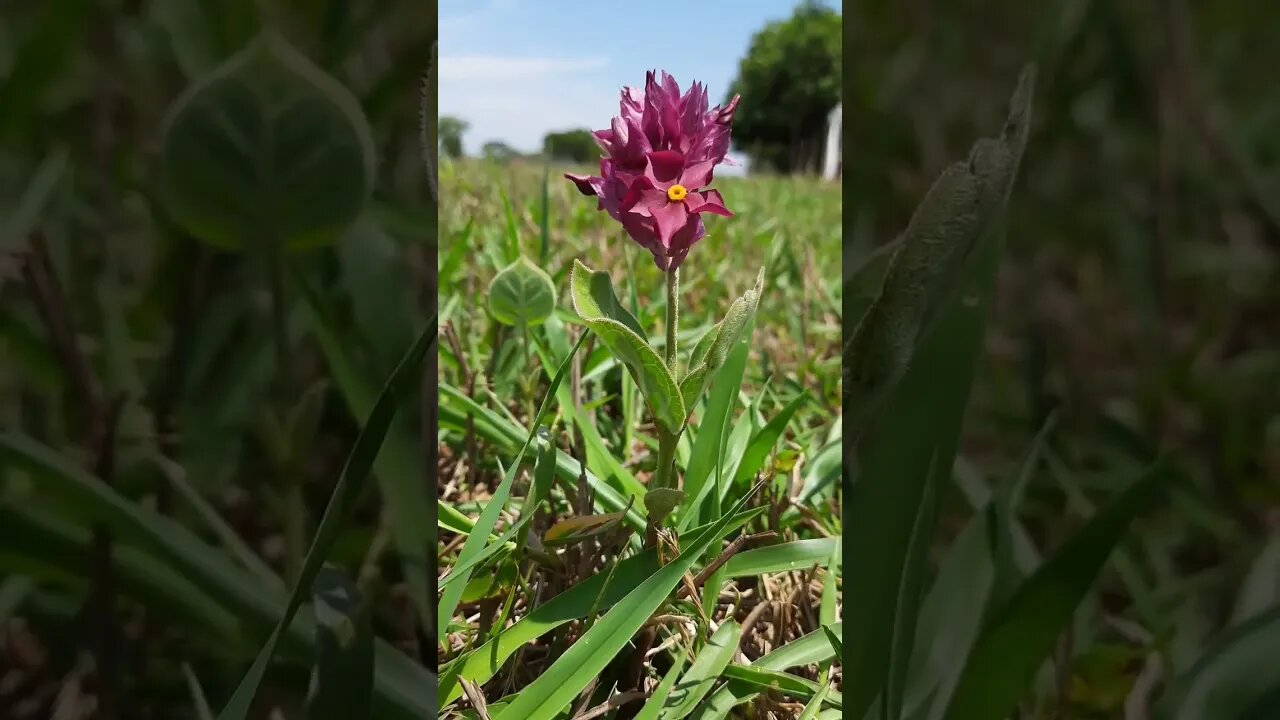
516,69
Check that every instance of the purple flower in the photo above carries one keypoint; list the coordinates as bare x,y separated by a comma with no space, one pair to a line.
660,153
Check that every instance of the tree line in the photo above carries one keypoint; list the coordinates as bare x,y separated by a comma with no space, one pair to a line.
789,80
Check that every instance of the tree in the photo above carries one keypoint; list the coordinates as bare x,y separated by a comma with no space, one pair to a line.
450,130
498,151
571,145
789,81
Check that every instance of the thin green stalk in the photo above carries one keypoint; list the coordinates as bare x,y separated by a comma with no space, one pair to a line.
673,315
526,380
664,477
664,474
295,515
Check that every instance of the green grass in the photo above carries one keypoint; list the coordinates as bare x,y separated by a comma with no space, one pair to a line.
570,613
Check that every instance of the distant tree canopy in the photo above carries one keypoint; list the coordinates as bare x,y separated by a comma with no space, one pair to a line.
498,151
573,145
789,82
450,130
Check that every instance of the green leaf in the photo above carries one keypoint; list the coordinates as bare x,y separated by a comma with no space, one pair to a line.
522,294
706,454
777,680
658,700
507,437
428,122
27,214
703,346
598,591
398,466
834,639
963,206
203,711
1237,677
477,539
704,672
764,441
345,494
660,502
598,306
783,557
1022,633
811,649
705,363
342,680
266,149
815,704
543,466
951,617
905,446
864,278
158,558
558,685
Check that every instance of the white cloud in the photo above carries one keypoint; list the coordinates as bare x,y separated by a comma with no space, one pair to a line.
486,67
518,100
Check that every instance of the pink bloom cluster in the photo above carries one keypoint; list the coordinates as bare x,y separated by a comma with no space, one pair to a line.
660,152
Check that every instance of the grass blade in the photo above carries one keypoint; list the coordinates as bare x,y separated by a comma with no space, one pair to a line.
808,650
1022,633
763,442
1235,678
658,700
784,557
704,671
476,540
576,603
398,467
546,696
342,679
345,493
158,558
909,389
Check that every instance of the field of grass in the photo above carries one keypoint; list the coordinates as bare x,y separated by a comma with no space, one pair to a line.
772,415
190,411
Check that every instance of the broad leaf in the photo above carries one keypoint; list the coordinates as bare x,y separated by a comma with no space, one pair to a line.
905,447
616,328
266,149
522,294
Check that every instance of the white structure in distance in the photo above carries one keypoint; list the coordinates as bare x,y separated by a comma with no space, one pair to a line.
833,149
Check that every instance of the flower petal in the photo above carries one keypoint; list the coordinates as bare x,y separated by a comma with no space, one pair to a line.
669,218
587,185
697,175
708,202
665,167
641,197
724,115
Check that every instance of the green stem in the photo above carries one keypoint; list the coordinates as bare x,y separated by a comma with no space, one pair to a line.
673,315
664,474
295,514
526,379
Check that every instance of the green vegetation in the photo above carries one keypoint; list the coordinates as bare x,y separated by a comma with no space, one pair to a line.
565,588
214,322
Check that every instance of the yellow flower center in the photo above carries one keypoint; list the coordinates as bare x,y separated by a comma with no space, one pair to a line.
676,193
